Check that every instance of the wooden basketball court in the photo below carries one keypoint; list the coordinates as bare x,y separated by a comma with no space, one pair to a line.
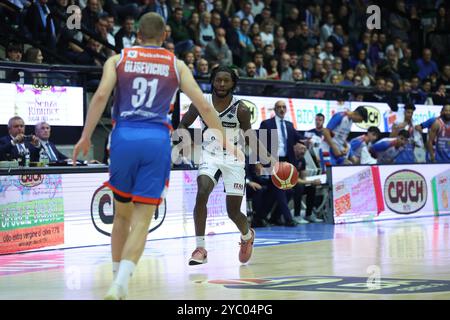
403,259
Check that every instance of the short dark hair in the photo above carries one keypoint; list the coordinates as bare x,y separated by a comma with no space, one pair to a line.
403,133
410,106
374,130
320,115
14,46
362,112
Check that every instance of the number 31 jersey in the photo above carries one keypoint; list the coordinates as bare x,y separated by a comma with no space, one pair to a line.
147,82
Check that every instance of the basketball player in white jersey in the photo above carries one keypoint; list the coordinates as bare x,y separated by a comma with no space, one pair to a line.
235,117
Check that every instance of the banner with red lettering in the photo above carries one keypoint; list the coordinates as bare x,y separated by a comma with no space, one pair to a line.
366,193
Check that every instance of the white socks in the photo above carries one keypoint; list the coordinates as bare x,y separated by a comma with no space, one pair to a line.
200,240
115,268
247,236
126,269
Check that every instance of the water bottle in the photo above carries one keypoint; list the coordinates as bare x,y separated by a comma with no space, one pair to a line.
27,158
43,157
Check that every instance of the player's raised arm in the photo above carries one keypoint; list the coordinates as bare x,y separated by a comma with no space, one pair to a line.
97,106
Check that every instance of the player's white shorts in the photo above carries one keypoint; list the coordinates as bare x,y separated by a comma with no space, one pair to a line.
232,172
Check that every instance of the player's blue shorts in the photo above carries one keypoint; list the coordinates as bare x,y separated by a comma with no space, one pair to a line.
328,158
140,160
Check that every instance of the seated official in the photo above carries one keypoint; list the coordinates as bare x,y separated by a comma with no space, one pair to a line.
304,187
43,131
16,145
259,192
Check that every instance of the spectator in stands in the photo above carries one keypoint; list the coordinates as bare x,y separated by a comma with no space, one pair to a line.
168,34
41,24
257,7
59,12
327,29
306,67
363,42
303,187
257,42
91,13
233,42
388,68
254,30
42,130
328,51
344,54
297,75
180,32
16,145
267,34
426,65
170,46
14,52
399,24
34,55
285,68
163,8
407,67
247,47
223,14
258,59
216,21
376,52
206,31
396,45
272,69
361,58
348,78
440,97
366,77
445,76
194,27
217,51
126,36
312,18
198,52
188,57
101,29
250,70
246,12
337,38
318,71
266,17
202,69
290,22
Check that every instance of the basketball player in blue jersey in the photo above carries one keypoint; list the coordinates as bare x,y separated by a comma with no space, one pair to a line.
235,117
440,135
386,150
146,79
334,147
359,146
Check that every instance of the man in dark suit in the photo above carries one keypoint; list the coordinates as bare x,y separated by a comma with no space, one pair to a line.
40,23
286,137
43,131
16,145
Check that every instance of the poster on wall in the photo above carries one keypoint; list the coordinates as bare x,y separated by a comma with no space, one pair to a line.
73,210
302,112
367,193
31,212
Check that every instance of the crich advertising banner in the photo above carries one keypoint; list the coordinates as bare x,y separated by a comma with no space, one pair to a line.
59,106
302,112
82,209
367,193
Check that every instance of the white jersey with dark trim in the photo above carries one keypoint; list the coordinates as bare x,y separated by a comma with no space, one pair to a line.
230,123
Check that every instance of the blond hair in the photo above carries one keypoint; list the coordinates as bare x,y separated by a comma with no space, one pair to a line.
151,26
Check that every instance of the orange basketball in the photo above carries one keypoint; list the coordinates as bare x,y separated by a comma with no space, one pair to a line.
284,175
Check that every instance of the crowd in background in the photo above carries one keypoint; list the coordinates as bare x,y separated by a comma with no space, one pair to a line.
317,41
